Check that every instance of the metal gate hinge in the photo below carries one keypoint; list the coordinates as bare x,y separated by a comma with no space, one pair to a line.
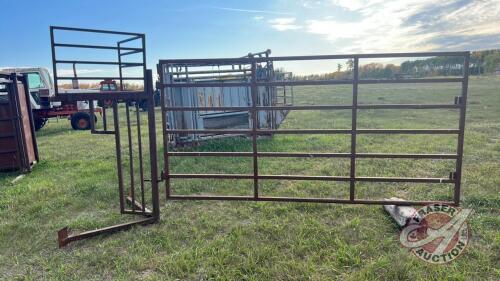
458,100
453,175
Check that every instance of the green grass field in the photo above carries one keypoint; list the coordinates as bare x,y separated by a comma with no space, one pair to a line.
75,185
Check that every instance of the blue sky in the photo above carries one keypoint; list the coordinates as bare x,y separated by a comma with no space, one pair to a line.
195,29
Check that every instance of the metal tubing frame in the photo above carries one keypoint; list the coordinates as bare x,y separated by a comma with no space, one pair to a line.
120,96
136,208
99,95
254,132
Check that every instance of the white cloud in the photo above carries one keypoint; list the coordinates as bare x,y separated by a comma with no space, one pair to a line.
282,24
412,25
353,5
258,18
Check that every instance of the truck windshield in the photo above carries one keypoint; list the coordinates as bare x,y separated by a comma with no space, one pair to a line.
35,81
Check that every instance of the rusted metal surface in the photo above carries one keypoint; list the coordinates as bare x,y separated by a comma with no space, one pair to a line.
255,131
18,146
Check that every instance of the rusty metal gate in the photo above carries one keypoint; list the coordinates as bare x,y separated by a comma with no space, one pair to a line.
118,108
252,65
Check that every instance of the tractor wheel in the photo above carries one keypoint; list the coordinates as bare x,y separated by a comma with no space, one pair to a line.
39,122
81,121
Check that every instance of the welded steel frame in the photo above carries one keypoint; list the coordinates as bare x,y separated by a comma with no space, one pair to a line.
460,104
137,207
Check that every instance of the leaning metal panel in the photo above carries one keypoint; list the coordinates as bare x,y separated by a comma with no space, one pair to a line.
169,85
122,102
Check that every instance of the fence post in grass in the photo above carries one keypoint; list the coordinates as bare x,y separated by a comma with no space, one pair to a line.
354,113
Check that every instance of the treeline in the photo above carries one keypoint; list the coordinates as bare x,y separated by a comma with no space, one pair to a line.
481,62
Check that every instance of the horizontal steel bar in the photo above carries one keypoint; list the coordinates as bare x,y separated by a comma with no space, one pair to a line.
407,155
96,47
311,82
409,81
205,84
131,39
192,153
315,131
360,131
210,79
99,78
103,133
209,176
211,131
94,30
129,64
123,64
302,177
209,71
405,179
317,107
206,108
137,212
361,81
362,56
316,155
103,95
216,61
407,106
294,58
407,131
130,53
64,239
307,200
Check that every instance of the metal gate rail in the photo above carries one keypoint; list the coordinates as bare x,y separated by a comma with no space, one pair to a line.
460,103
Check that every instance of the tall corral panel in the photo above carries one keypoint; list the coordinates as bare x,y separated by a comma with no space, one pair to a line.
18,148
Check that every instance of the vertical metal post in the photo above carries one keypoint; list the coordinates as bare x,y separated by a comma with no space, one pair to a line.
254,92
54,66
118,45
164,120
148,88
104,119
118,155
461,128
92,119
144,70
139,144
353,128
131,155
